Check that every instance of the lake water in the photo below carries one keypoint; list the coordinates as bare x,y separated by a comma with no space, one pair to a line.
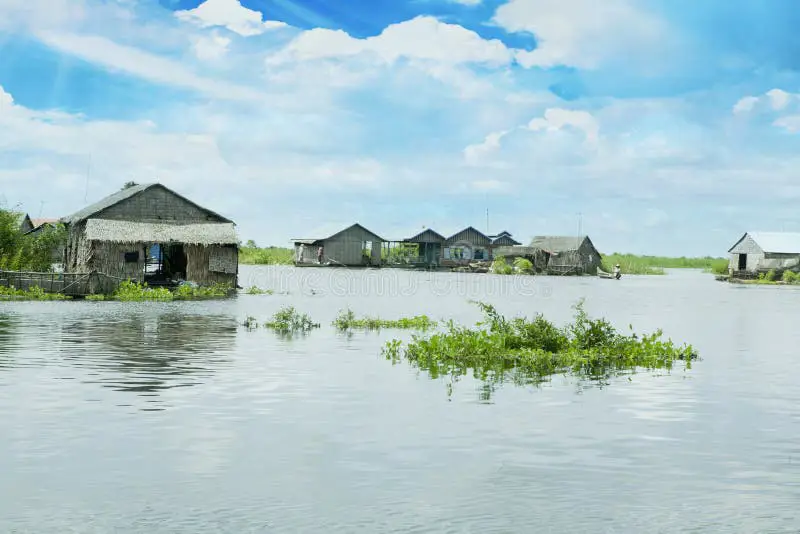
170,417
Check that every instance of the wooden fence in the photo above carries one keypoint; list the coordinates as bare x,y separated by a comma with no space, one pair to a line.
70,284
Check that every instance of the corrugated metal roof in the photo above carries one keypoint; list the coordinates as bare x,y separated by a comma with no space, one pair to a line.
124,194
557,243
777,242
143,232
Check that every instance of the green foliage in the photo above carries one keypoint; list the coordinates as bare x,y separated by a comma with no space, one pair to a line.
528,352
250,254
500,266
523,266
32,293
347,320
287,320
790,277
32,252
129,291
255,290
655,265
770,276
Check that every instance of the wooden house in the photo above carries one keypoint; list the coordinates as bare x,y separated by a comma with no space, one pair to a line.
39,225
466,246
355,246
116,237
759,252
565,254
429,245
24,221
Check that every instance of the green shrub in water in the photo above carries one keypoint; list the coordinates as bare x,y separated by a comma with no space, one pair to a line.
529,351
347,320
32,293
288,320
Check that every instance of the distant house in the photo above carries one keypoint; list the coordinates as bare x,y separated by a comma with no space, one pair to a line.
116,237
430,246
467,245
38,225
757,252
24,222
565,254
352,247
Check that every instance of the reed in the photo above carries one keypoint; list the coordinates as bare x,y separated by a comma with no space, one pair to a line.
250,254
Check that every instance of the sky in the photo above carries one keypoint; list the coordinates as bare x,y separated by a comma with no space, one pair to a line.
654,126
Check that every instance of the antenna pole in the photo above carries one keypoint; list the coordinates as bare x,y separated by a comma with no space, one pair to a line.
487,220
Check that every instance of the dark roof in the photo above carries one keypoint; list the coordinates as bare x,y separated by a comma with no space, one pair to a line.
311,241
124,194
437,237
558,243
483,236
504,239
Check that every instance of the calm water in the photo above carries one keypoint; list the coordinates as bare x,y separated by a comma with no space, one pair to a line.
169,417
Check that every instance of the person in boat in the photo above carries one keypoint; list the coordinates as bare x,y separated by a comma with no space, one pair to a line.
617,272
300,253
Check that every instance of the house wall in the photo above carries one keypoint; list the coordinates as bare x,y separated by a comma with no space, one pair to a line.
347,248
109,258
157,204
212,264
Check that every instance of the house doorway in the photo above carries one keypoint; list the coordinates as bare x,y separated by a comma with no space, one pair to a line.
165,263
742,262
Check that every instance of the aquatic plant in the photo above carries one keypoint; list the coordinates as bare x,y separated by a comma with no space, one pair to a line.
288,320
32,293
255,290
251,323
131,291
530,351
347,320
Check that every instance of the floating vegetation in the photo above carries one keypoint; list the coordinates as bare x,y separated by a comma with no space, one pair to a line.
287,320
255,290
530,351
347,320
32,293
500,266
251,323
787,278
129,291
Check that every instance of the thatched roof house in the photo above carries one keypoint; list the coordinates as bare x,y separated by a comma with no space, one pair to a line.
756,252
150,233
567,254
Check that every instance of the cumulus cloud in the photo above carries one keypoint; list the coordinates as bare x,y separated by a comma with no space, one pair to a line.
424,38
555,119
230,14
773,102
581,33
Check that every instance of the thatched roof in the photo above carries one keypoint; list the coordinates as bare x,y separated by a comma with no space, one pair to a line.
141,232
558,243
124,194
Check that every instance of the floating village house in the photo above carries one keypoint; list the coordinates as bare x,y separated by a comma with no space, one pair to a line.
466,246
557,254
25,222
355,246
429,246
150,233
759,252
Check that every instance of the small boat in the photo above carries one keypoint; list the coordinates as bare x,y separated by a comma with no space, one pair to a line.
606,276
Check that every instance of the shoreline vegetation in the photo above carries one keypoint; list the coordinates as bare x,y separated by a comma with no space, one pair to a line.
251,254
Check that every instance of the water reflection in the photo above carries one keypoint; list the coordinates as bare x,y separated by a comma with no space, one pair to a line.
8,338
146,354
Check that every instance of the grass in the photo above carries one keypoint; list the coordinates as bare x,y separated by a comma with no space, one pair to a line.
520,266
288,320
253,255
655,265
529,351
347,320
32,293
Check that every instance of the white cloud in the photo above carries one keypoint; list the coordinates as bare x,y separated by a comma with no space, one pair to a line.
555,119
423,38
778,98
477,154
745,104
210,47
467,2
116,57
581,33
790,123
230,14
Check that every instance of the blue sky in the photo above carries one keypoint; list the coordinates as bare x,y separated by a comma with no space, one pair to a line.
665,126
